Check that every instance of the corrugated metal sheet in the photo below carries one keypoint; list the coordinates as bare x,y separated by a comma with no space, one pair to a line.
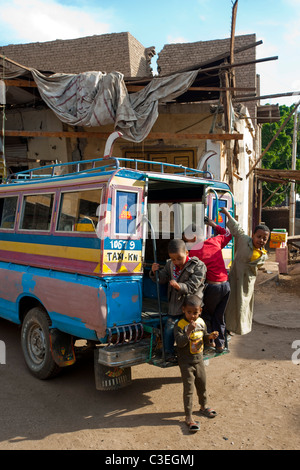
15,151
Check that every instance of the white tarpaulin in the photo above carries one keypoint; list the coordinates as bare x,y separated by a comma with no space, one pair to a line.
97,99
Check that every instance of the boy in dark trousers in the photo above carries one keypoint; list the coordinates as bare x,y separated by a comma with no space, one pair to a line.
190,335
184,275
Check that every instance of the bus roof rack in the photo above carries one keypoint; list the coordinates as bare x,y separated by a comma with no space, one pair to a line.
58,170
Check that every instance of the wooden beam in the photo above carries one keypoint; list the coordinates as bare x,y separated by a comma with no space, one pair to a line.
66,134
220,137
133,88
230,88
3,57
21,83
293,238
268,174
237,64
105,135
226,101
271,195
225,66
271,180
220,57
265,97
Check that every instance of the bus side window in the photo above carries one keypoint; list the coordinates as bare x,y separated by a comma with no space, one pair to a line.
37,212
78,211
8,208
126,212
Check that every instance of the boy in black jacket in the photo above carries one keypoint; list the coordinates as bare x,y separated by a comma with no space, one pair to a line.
184,275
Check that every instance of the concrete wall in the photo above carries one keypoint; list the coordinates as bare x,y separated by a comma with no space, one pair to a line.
39,148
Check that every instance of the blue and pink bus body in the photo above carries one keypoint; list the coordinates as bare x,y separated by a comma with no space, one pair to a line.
75,253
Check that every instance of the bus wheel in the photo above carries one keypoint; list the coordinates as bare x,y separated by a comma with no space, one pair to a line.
35,342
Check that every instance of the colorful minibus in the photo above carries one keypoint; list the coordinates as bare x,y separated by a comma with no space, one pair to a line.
77,241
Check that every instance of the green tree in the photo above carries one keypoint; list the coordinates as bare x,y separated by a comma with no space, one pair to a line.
279,156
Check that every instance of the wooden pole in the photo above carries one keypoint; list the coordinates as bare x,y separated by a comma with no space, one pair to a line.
15,63
271,195
233,23
293,184
265,97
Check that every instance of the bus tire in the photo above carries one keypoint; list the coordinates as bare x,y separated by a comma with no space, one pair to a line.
35,342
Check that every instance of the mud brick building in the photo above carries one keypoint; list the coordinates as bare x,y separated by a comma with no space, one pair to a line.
190,130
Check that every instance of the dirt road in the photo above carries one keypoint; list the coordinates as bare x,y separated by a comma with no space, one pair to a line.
255,390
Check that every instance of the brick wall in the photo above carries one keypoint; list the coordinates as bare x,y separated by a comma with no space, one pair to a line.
276,217
139,58
174,57
107,52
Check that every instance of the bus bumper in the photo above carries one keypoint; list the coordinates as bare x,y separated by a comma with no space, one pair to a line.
124,355
112,364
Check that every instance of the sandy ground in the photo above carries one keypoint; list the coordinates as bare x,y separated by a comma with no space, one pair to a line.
255,390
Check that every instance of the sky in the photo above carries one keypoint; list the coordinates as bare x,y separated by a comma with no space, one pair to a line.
160,22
